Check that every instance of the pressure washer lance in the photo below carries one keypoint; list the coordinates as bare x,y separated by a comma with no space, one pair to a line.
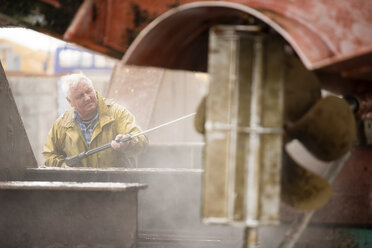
75,160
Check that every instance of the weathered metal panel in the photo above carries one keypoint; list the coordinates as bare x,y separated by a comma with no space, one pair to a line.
15,150
147,92
137,89
68,214
168,210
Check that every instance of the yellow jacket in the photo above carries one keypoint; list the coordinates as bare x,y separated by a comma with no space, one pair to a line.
65,139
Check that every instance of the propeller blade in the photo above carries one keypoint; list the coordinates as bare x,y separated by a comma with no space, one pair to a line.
303,189
302,89
328,129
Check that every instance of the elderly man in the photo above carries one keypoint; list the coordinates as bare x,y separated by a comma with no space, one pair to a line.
91,122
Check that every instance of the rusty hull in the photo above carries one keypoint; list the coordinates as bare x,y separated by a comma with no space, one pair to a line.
332,35
333,38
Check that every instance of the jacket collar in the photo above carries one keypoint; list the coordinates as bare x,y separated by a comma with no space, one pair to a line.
103,114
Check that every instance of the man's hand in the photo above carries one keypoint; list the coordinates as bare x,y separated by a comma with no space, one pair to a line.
117,145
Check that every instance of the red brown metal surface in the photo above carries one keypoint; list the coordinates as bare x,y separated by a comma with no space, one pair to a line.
352,198
87,27
55,3
323,33
351,202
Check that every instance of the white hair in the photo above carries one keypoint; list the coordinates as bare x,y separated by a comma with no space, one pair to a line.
71,80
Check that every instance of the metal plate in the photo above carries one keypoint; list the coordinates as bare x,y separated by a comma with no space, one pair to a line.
15,149
54,214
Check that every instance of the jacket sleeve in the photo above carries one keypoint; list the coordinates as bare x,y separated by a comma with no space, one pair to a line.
52,151
127,125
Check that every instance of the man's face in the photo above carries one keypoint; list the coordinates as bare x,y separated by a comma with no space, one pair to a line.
83,98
